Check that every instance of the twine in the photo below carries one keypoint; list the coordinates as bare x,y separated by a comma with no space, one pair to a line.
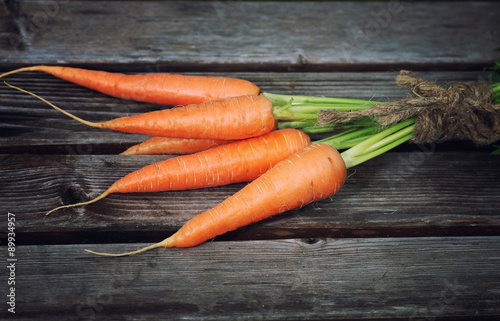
462,111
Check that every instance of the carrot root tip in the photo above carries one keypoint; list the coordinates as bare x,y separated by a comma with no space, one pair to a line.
32,68
144,249
103,195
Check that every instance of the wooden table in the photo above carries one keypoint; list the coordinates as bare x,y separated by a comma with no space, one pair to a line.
413,234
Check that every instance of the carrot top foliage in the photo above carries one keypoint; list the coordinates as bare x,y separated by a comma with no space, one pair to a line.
495,87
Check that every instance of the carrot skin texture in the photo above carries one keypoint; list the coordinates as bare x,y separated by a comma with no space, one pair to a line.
230,119
237,162
173,146
158,88
312,174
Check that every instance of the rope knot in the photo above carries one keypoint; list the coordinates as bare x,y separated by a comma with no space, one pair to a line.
462,111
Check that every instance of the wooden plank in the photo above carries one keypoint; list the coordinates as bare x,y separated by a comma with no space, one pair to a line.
388,278
29,125
423,192
182,35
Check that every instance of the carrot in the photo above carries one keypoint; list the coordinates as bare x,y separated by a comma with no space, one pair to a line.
158,88
173,146
231,118
240,161
313,173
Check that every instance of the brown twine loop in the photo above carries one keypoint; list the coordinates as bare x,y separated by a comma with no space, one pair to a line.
461,111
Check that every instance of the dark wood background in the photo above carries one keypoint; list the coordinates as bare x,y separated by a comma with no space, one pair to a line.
413,235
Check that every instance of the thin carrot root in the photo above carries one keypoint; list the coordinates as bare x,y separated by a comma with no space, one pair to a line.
163,243
100,197
32,68
83,121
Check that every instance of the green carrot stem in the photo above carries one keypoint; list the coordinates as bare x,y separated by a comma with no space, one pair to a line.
361,148
348,144
348,138
285,114
280,100
350,134
318,130
308,126
351,162
379,143
387,140
495,92
296,108
298,124
294,112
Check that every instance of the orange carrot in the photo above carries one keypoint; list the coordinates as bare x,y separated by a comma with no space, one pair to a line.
314,173
240,161
158,88
173,146
230,119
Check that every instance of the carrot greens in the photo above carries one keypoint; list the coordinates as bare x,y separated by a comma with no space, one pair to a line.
349,138
495,87
378,144
300,108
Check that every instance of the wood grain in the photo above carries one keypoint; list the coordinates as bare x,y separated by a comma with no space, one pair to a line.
412,235
423,192
241,35
341,279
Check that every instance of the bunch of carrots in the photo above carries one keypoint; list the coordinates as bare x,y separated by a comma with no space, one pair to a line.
228,131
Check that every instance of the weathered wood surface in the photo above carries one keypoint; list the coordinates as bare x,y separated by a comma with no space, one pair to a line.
29,125
412,235
252,35
342,279
423,192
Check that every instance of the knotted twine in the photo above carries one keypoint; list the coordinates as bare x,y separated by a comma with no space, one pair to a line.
462,111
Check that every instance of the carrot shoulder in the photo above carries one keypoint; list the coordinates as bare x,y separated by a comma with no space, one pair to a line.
314,173
158,88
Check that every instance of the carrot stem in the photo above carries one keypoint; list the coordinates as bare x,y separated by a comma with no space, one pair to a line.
299,108
312,127
294,112
495,93
307,126
379,143
349,138
495,87
280,100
